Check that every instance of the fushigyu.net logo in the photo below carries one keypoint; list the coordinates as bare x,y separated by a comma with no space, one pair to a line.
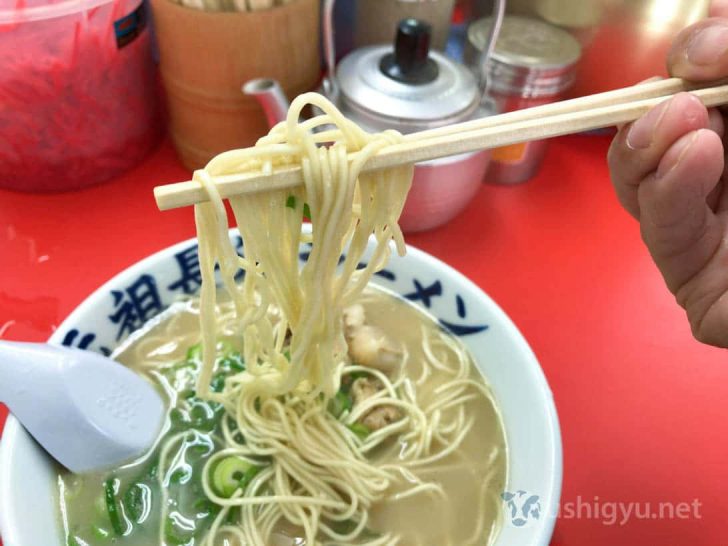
521,507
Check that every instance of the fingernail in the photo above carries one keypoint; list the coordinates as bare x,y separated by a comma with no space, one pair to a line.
708,45
673,158
718,8
642,132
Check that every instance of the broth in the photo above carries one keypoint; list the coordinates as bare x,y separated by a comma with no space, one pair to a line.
472,477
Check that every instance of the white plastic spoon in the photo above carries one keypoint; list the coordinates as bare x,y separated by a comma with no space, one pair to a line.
89,412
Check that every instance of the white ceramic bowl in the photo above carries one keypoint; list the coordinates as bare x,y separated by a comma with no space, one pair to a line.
28,507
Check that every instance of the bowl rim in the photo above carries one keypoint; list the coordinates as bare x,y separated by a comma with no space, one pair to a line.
13,428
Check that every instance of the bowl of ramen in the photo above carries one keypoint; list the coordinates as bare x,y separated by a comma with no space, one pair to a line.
321,389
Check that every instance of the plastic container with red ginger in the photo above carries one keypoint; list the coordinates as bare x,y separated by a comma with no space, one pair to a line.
78,99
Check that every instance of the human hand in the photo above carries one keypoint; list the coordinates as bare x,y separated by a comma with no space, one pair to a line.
669,172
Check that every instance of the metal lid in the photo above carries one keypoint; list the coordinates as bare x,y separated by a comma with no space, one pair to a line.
531,57
377,99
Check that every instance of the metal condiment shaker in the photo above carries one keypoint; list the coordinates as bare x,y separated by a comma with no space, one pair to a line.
533,63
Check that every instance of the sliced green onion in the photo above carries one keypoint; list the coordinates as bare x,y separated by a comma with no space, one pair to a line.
231,474
343,527
306,211
187,394
350,378
205,508
232,362
195,352
176,536
362,431
340,403
153,469
203,416
181,475
179,418
348,526
201,445
218,382
135,501
111,508
291,202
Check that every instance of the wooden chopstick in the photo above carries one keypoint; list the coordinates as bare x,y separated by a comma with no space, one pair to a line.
556,119
664,88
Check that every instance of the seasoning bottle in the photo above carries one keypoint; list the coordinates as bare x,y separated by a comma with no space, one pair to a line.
533,63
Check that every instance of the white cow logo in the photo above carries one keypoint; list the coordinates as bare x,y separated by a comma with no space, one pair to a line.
522,506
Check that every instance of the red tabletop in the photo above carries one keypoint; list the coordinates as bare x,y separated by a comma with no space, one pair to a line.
642,405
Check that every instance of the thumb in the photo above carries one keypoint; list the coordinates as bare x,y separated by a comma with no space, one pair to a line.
719,8
700,52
